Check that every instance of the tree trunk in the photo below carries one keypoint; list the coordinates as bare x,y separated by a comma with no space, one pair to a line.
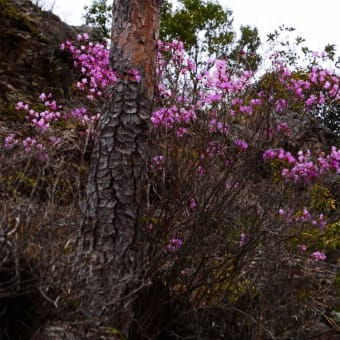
110,254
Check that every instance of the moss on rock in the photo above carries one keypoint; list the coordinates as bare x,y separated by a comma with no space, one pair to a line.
18,19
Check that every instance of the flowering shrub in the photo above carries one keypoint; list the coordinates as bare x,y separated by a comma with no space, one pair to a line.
93,62
302,167
174,245
219,135
220,179
45,124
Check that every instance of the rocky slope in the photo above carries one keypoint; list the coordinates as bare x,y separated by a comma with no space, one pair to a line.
30,56
30,63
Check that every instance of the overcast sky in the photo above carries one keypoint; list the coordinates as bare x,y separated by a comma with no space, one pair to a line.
315,20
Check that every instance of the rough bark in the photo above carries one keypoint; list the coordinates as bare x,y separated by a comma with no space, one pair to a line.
110,251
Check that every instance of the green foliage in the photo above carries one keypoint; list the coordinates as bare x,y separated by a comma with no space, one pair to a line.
330,117
322,199
293,53
73,302
19,20
327,239
194,17
285,45
248,45
337,283
12,114
99,15
205,26
330,49
116,331
17,183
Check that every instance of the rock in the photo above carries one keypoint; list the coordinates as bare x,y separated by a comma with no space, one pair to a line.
31,61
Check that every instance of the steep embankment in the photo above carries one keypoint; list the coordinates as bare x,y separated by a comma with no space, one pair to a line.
40,202
35,198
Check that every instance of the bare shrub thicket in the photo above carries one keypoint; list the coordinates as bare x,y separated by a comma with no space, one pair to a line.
40,210
234,266
222,261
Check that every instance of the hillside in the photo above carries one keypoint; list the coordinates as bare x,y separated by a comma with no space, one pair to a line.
41,202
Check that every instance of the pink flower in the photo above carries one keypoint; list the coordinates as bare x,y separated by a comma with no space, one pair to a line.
174,245
43,97
29,143
302,247
10,141
255,102
242,239
185,271
319,256
281,212
241,144
181,131
157,160
280,105
193,203
284,128
327,85
21,106
269,154
200,170
135,75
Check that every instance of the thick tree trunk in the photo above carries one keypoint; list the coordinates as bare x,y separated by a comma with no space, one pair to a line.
110,251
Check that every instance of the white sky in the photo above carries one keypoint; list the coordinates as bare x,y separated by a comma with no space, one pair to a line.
316,20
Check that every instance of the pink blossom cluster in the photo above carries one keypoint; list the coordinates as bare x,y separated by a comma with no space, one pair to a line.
81,115
53,113
181,131
173,62
168,117
280,105
193,203
219,83
303,167
92,59
242,240
174,245
216,82
220,78
42,119
93,62
319,85
214,148
241,144
29,145
216,126
171,54
11,141
318,256
283,128
157,160
304,216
